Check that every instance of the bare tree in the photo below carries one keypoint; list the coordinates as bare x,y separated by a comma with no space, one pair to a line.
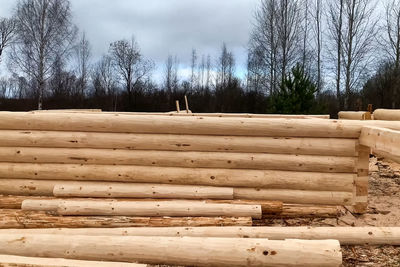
225,68
335,26
104,75
359,36
83,54
129,64
317,17
193,66
171,78
391,42
44,31
7,32
209,70
275,41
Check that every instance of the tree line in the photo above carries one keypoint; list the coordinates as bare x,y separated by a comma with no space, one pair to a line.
304,56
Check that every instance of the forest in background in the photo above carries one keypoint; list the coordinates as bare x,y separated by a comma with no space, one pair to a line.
304,57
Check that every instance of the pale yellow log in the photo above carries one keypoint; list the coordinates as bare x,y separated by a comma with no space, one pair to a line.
19,261
123,190
354,115
189,176
142,208
387,114
69,110
36,219
170,142
186,125
296,196
176,125
179,159
345,235
187,251
30,187
381,140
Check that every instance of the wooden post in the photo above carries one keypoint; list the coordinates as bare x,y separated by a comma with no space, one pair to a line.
187,104
178,109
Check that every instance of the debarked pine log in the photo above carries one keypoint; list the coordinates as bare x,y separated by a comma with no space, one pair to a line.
345,235
190,251
41,203
20,261
130,190
143,208
256,161
271,179
177,142
177,125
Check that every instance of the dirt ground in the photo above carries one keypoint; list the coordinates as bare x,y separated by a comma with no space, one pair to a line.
384,210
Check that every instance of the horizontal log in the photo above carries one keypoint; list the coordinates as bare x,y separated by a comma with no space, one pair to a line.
189,251
30,187
354,115
306,211
345,235
19,219
143,208
176,125
20,261
259,161
226,115
118,123
381,140
15,202
125,190
296,196
387,114
69,110
171,142
189,176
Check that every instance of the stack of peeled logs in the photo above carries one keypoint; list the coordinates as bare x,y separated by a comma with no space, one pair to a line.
98,170
122,170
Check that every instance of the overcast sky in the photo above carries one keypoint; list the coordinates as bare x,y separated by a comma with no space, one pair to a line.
164,27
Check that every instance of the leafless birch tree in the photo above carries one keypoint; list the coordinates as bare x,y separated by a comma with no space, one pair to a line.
44,31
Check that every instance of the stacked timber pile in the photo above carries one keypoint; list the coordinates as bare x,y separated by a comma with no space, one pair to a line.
115,170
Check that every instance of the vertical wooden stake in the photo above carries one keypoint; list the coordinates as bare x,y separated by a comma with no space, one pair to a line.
187,104
177,106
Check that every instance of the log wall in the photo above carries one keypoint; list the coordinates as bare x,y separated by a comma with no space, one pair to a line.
295,160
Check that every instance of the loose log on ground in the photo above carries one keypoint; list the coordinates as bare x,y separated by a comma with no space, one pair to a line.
271,179
142,208
171,142
345,235
296,196
19,219
41,203
258,161
190,251
129,190
387,114
20,261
